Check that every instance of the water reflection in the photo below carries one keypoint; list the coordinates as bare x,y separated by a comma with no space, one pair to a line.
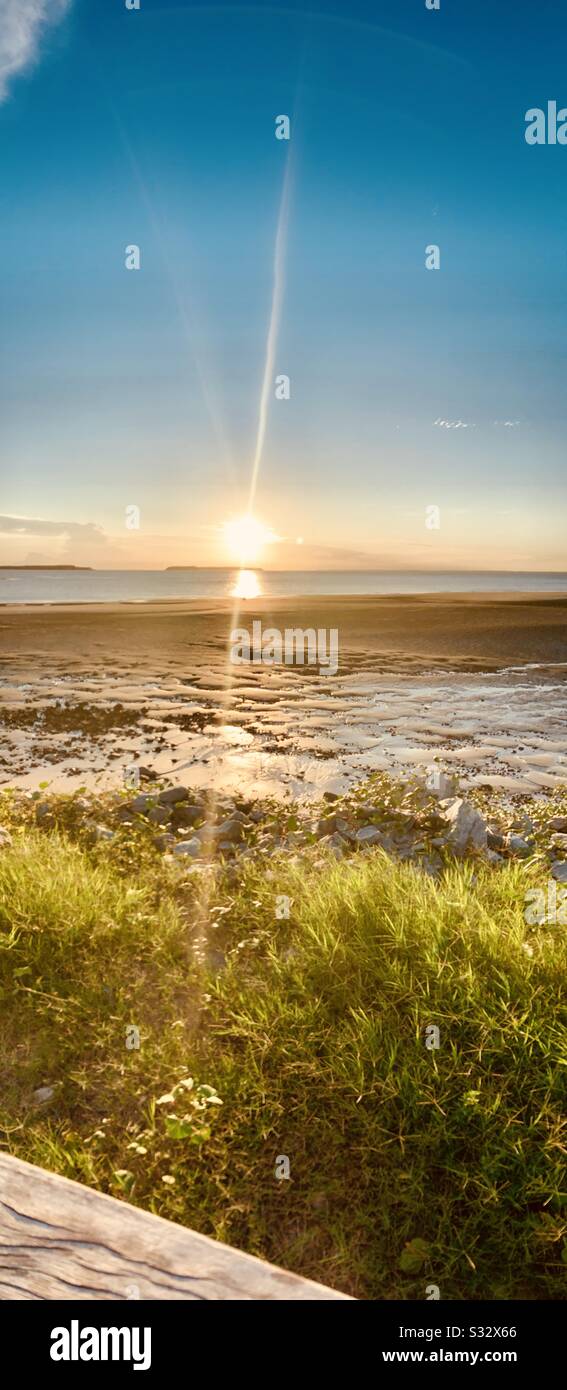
247,585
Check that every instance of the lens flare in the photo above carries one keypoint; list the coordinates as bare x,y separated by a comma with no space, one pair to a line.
245,538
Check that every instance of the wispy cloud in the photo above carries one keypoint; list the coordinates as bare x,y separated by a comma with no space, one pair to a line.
36,526
22,25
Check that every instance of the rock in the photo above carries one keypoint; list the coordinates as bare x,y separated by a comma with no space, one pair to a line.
257,815
558,823
326,826
369,835
439,784
172,795
140,804
165,841
44,815
231,830
5,838
159,815
184,814
330,796
517,845
100,832
494,839
559,843
43,1094
559,871
193,848
467,828
493,857
335,844
207,833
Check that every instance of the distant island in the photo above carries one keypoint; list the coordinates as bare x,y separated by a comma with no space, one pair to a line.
45,567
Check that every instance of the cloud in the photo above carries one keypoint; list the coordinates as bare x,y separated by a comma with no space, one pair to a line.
34,526
22,25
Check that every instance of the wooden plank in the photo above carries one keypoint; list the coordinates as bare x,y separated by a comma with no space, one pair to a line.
59,1240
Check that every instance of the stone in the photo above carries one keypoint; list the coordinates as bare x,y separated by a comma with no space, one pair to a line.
559,871
165,841
5,838
369,835
140,804
101,832
517,845
559,842
494,839
159,815
186,814
326,826
172,795
466,827
335,844
558,823
193,848
43,1094
439,784
230,830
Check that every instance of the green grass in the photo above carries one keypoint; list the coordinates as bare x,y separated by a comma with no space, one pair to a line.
408,1166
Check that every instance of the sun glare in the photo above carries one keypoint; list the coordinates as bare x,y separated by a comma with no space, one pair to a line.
245,538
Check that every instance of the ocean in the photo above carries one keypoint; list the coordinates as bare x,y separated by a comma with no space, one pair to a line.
137,586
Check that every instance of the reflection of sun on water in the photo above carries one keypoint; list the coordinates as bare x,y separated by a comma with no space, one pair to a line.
247,585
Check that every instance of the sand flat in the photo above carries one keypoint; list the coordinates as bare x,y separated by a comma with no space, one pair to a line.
475,680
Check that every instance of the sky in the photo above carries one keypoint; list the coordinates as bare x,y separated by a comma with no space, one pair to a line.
410,389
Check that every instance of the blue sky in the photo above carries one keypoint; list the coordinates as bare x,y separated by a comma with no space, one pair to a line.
156,127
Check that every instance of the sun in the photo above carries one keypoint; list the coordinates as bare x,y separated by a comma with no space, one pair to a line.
245,538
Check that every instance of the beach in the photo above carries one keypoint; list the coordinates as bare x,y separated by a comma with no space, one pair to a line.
475,682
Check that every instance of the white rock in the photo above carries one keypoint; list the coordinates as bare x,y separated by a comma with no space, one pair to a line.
467,828
43,1094
102,832
439,784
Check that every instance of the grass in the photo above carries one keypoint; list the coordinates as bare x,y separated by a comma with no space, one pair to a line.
408,1166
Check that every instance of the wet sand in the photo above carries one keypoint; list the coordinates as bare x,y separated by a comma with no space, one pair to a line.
485,630
475,681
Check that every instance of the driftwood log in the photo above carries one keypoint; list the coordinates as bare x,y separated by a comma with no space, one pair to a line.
59,1240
